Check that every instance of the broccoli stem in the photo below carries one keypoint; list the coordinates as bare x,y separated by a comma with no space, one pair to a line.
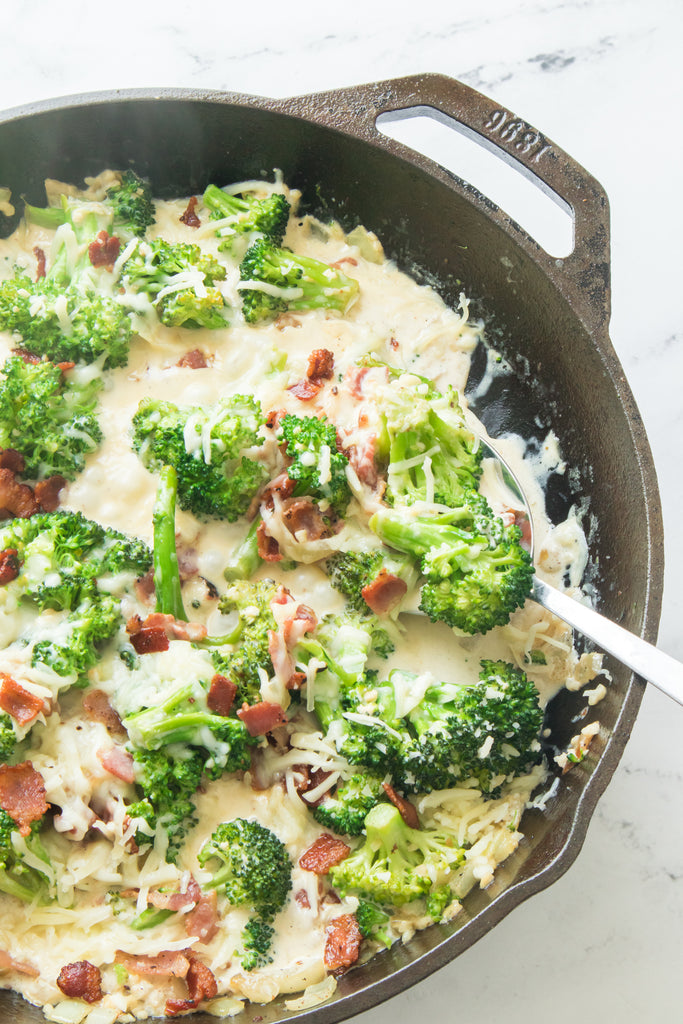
169,599
245,559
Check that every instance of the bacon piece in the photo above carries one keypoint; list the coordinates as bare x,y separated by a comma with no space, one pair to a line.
311,781
320,365
338,264
22,794
104,251
167,964
301,897
342,942
268,548
98,709
282,486
221,695
81,980
117,762
17,499
172,628
273,418
8,963
354,379
262,718
47,492
201,984
40,261
149,641
283,662
305,390
29,357
201,922
9,565
296,626
20,703
362,459
190,217
296,680
325,852
175,900
384,593
300,514
404,807
194,359
10,458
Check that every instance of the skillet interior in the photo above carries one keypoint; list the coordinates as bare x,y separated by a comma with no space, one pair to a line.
565,376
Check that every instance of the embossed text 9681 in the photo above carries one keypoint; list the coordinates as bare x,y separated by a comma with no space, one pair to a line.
517,134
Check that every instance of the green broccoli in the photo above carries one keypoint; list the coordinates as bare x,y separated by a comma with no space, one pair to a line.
275,281
396,864
166,807
245,558
373,922
167,586
20,875
8,738
352,572
345,809
180,280
132,205
49,416
246,217
251,601
252,867
317,467
206,448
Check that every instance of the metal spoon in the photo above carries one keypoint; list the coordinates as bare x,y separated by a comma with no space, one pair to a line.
647,661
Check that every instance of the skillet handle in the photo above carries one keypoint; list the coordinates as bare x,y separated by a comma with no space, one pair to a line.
583,277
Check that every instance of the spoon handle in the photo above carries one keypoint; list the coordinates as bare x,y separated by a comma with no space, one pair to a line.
647,661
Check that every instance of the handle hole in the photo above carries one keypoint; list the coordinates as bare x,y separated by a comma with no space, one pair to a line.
539,211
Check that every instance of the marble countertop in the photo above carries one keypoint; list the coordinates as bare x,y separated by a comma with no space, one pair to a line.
603,79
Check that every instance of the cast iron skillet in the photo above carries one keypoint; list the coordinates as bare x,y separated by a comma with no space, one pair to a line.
549,317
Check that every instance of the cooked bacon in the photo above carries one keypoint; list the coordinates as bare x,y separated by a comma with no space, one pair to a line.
262,718
338,264
10,458
47,492
281,657
301,897
22,794
268,548
287,320
221,695
201,984
305,390
296,680
314,779
193,360
9,565
117,762
29,357
190,217
342,942
81,980
98,709
326,851
282,486
149,641
18,500
175,900
354,379
144,587
40,261
8,963
273,418
320,365
172,629
362,459
300,514
202,921
65,365
104,251
20,703
297,625
384,593
405,808
167,964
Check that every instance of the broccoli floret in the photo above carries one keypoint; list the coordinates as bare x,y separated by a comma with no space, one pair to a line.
49,417
344,811
252,867
351,572
180,281
17,877
275,281
8,738
205,446
396,864
247,217
245,558
167,587
476,570
252,601
373,922
317,467
132,204
94,617
167,784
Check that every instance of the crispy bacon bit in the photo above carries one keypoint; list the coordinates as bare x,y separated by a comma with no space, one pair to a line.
325,852
167,964
17,500
172,628
405,808
221,695
175,900
362,459
144,587
118,762
301,897
201,984
342,942
8,963
81,980
300,514
194,359
149,641
354,379
40,261
190,217
303,621
282,486
47,492
384,593
305,390
15,700
338,264
22,794
262,718
30,358
201,922
104,251
315,778
273,418
267,546
320,365
296,680
10,458
9,565
98,709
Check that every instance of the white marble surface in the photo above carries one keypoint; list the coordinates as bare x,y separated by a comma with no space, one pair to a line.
603,79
